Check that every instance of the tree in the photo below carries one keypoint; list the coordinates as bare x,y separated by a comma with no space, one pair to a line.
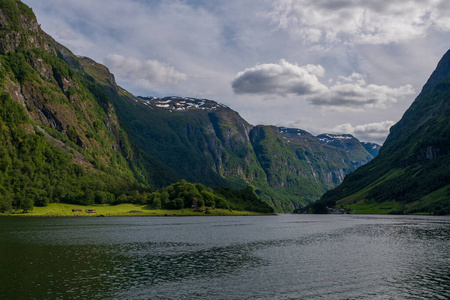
156,203
26,204
40,197
164,197
100,197
208,198
319,208
200,202
121,199
88,198
221,203
5,202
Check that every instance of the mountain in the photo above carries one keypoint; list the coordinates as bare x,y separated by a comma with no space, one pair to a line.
71,134
372,148
411,172
61,140
202,140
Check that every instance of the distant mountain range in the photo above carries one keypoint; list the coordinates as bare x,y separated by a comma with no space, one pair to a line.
412,172
70,134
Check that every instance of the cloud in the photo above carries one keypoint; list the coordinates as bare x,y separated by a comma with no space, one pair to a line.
145,74
360,21
373,132
354,93
212,41
280,79
347,93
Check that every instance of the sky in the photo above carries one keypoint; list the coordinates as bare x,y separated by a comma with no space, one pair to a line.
324,66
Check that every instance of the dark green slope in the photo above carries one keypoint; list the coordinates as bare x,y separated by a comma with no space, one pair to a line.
411,172
198,145
286,174
300,165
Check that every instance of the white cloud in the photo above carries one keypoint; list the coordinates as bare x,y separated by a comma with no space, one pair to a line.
146,74
373,132
348,93
212,41
282,79
360,21
354,93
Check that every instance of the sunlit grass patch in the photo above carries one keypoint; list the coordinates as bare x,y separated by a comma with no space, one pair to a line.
65,210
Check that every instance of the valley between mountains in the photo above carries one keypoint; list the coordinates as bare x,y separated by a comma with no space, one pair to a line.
70,134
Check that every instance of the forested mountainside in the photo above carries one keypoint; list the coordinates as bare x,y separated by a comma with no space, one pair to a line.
60,138
70,134
411,173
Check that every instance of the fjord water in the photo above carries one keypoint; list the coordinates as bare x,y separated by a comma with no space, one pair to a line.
267,257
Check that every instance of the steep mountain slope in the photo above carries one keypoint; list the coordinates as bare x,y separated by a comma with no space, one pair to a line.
411,172
60,139
331,156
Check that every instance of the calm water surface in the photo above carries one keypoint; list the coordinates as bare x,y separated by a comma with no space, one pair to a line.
269,257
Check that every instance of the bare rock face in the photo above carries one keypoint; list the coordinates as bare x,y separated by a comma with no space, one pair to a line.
19,29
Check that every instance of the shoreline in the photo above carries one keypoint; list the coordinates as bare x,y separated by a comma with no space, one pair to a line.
56,210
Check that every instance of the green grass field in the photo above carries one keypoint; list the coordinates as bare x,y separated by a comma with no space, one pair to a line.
358,204
373,208
65,210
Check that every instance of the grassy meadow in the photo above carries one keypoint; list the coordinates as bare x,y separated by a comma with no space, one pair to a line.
65,210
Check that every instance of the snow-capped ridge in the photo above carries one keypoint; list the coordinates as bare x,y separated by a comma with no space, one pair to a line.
328,138
182,103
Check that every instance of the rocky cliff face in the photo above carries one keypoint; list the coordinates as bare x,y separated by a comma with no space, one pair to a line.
329,156
20,30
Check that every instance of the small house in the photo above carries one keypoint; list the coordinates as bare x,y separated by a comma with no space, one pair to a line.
90,211
77,210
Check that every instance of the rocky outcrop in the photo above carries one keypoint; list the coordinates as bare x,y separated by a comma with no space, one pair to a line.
19,29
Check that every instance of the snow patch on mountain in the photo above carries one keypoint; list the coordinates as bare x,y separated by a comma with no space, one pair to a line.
182,103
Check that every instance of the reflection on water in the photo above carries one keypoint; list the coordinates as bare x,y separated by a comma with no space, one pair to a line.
275,257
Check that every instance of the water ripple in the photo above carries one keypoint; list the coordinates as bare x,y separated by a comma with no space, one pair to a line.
268,258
